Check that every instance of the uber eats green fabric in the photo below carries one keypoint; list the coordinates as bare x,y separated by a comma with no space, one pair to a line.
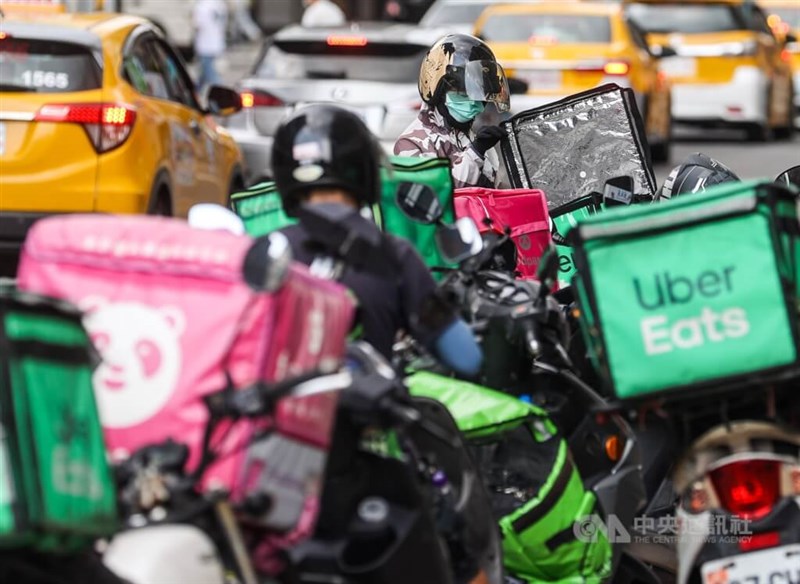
539,541
433,172
56,488
260,209
697,290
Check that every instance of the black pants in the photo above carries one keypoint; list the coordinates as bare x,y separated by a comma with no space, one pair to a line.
26,567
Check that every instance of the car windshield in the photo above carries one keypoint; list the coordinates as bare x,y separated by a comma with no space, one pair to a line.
680,18
45,66
447,13
546,28
353,58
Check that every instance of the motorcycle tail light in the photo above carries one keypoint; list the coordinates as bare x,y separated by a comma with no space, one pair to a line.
108,125
257,98
759,541
748,488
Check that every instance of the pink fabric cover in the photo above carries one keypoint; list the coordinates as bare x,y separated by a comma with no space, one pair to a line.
524,210
171,316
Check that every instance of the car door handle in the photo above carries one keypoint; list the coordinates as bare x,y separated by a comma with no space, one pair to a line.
194,126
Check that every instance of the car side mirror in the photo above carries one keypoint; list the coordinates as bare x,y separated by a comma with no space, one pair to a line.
419,202
223,101
517,86
662,51
790,38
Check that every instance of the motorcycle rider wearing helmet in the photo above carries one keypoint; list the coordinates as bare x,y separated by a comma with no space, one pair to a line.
458,77
326,161
694,175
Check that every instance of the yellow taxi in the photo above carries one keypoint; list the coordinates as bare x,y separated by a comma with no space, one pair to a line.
784,18
729,69
562,48
98,114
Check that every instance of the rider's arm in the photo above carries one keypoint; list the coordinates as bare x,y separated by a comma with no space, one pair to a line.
434,321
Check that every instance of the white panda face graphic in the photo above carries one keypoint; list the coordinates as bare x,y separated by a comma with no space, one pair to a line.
141,352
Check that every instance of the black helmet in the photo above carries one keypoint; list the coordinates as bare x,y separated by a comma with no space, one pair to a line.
465,64
697,173
325,146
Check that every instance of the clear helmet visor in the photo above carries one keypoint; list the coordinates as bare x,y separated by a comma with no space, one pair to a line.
486,81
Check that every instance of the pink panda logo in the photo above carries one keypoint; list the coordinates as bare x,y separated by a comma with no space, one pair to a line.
141,352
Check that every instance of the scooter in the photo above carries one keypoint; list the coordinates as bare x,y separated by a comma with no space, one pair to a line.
525,339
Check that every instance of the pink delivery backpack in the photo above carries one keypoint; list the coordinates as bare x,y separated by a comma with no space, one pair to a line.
523,210
170,313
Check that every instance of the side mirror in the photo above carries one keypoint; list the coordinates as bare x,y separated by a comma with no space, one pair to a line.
790,177
790,38
459,242
618,191
662,52
517,86
268,262
419,202
223,101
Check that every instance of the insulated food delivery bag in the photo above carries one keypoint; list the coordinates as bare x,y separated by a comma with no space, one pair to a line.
56,487
174,321
432,172
260,209
537,494
524,211
571,147
698,292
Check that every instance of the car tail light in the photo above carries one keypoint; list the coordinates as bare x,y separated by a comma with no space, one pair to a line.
759,541
748,488
786,56
616,68
347,41
108,125
4,35
260,99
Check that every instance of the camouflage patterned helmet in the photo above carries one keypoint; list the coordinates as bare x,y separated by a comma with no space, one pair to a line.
466,65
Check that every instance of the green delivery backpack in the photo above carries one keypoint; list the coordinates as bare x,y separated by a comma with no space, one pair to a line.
537,495
693,295
260,207
56,487
432,172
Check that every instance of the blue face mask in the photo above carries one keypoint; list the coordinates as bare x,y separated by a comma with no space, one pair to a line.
463,109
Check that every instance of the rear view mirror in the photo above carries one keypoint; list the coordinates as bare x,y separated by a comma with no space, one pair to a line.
517,86
618,191
790,177
223,101
419,202
460,241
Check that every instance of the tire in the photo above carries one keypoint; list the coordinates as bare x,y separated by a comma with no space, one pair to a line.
758,133
162,204
237,185
662,152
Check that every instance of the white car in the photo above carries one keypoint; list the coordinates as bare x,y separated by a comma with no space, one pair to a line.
371,69
459,16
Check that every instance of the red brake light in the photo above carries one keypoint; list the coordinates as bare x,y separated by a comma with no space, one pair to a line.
748,488
108,125
259,99
749,543
3,35
347,41
616,68
786,56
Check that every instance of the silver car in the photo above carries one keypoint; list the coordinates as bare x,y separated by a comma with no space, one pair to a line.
370,69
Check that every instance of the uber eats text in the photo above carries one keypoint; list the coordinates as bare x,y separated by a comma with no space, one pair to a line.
661,334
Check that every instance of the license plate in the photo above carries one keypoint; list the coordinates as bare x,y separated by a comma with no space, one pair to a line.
765,567
2,138
679,67
542,79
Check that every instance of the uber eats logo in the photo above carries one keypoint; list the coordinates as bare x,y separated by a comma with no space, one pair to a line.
661,334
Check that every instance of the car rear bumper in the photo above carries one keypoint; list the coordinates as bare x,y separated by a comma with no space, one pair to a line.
743,100
13,229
